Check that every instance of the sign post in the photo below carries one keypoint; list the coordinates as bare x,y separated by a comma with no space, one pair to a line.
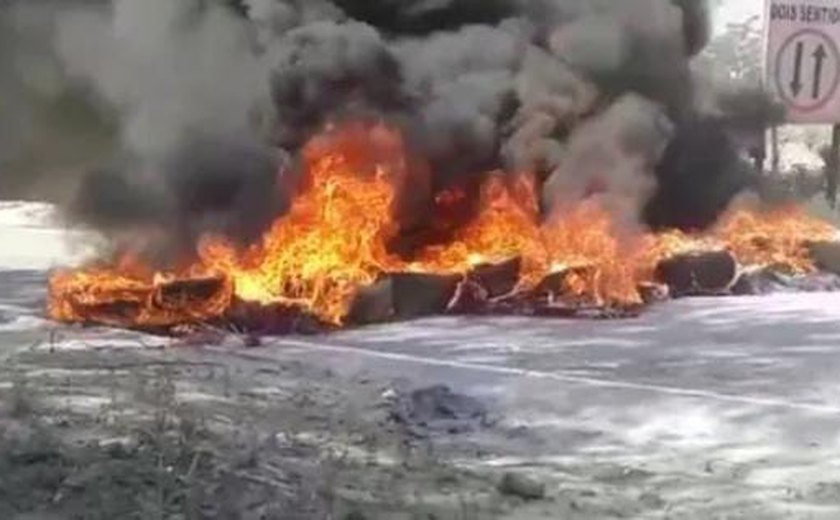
833,167
802,68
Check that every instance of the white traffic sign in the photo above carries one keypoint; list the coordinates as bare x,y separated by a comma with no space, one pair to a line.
803,58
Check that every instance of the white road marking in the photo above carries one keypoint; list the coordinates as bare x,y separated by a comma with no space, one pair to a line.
766,402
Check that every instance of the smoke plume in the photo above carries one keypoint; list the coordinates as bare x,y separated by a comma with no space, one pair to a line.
595,96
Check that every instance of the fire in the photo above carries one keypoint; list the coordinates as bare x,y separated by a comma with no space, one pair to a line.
131,293
609,269
334,241
581,240
777,237
506,226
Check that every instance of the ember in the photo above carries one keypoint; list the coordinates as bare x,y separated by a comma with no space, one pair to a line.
329,256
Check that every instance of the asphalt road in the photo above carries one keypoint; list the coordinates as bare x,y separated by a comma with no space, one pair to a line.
705,408
735,398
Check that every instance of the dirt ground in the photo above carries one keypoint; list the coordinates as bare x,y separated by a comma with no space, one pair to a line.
183,434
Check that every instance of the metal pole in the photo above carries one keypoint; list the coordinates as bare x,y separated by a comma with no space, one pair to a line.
759,153
832,173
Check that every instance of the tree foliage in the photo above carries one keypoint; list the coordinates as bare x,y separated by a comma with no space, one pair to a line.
736,56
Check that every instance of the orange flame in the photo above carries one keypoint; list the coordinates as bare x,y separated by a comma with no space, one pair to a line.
130,293
778,237
507,226
334,241
586,237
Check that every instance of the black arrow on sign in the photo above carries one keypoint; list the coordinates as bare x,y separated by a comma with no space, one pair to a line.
819,57
796,84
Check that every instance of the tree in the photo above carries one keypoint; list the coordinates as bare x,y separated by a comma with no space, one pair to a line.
736,56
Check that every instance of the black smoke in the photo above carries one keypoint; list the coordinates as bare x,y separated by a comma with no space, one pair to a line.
698,176
426,16
210,184
582,92
327,69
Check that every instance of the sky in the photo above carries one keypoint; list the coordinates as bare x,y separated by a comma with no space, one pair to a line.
730,11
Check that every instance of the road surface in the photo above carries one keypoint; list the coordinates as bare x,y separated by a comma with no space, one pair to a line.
704,408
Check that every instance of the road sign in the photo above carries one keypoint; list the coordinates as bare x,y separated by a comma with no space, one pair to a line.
803,58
